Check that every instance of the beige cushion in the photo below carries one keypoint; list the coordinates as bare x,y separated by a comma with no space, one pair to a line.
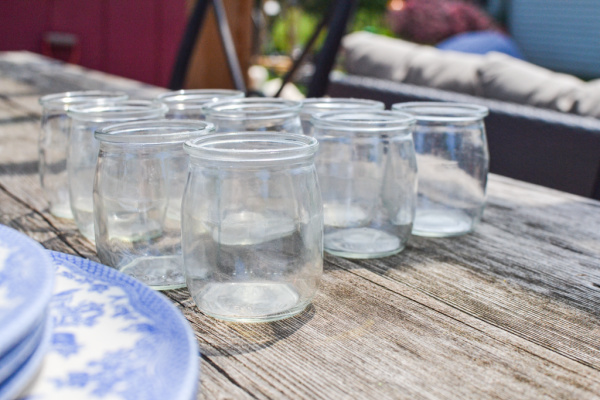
446,70
587,99
506,78
378,56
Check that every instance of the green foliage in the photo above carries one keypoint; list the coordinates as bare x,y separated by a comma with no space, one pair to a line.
296,25
367,20
293,30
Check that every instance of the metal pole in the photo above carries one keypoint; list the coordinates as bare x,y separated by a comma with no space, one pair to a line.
187,45
229,46
343,10
290,74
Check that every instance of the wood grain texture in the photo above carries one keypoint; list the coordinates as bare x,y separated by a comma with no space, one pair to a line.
510,311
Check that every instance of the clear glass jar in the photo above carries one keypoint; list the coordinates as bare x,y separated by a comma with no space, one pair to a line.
252,225
138,187
82,154
188,103
54,141
255,114
368,176
312,106
453,161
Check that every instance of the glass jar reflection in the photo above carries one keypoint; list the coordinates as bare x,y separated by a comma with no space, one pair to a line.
368,175
54,142
138,188
252,225
255,114
83,150
453,161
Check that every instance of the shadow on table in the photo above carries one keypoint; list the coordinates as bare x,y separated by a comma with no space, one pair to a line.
228,338
19,168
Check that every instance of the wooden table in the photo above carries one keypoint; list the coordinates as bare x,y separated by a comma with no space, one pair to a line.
511,311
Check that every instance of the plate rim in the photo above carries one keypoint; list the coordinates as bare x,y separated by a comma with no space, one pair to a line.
27,370
189,383
16,330
24,348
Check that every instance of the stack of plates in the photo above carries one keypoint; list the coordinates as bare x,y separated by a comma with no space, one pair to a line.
111,337
26,281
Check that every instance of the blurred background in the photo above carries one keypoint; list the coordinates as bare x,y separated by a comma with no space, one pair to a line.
140,39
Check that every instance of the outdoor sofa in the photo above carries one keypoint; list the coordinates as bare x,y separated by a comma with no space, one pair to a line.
528,138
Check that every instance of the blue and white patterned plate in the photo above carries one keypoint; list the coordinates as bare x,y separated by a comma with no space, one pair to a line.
21,377
26,279
15,357
114,338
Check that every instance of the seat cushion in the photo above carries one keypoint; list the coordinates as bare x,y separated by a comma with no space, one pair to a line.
587,99
377,56
506,78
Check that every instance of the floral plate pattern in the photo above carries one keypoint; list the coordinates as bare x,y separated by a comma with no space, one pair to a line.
113,338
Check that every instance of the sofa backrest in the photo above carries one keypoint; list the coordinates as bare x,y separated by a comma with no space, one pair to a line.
493,76
549,148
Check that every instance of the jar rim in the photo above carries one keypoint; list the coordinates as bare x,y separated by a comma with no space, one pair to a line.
442,111
66,100
126,110
364,121
312,105
252,146
197,98
252,108
158,131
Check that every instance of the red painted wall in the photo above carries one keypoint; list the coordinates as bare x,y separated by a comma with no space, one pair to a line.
132,38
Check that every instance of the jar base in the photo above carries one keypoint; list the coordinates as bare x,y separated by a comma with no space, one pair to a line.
250,301
362,243
160,273
442,223
62,210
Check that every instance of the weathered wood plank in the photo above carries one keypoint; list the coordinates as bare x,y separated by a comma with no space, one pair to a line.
50,76
10,87
12,112
515,275
365,339
28,104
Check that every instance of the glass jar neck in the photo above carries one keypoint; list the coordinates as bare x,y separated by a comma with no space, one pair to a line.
65,101
252,149
252,109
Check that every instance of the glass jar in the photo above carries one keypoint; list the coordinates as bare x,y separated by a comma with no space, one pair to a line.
138,187
54,141
188,103
255,114
82,153
252,225
312,106
368,176
453,161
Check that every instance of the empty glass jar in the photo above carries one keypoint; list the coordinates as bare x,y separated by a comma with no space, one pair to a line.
188,103
141,174
368,176
252,225
54,141
312,106
255,114
453,161
83,150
